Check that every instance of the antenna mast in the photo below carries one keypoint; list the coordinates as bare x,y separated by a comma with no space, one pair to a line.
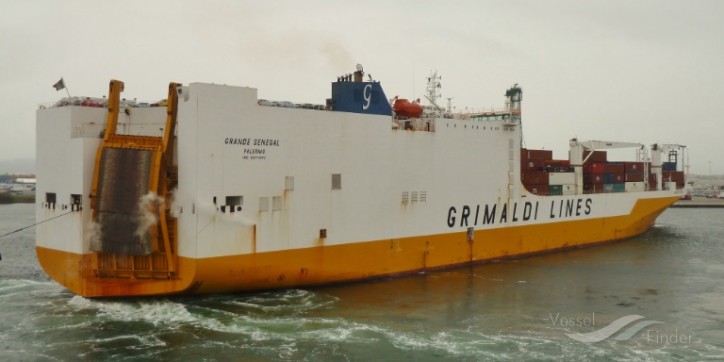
433,87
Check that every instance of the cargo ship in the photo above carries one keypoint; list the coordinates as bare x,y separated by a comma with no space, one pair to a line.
214,190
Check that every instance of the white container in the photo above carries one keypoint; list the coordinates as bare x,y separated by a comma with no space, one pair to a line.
634,186
568,189
561,178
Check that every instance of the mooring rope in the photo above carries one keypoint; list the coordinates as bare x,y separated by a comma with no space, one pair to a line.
37,223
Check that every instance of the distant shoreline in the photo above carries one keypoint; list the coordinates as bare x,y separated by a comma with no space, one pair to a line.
700,202
7,198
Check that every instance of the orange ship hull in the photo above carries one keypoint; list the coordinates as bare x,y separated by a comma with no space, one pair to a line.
355,261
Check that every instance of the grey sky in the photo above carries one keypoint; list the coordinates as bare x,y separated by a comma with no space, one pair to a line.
631,70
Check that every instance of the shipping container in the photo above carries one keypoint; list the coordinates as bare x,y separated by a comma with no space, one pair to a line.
592,178
594,167
534,177
531,165
596,187
559,169
561,178
555,190
569,189
558,163
613,178
652,181
614,187
668,166
634,177
634,186
537,189
674,176
552,163
558,166
613,167
633,167
540,155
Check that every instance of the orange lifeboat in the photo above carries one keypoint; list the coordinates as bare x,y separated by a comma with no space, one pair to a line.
405,108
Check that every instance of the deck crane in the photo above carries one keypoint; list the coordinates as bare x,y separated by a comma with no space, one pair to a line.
577,159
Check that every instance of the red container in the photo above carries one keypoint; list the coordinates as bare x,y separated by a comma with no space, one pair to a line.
535,178
538,189
652,181
531,165
598,156
633,167
674,176
541,155
552,163
594,168
611,167
593,178
634,176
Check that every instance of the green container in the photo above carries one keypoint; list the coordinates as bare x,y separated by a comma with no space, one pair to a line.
555,189
614,187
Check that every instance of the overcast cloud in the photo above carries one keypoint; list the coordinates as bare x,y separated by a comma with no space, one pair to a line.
641,71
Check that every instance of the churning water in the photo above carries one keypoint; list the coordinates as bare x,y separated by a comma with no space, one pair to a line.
669,277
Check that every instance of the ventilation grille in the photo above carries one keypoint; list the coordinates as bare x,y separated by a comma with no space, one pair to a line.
414,196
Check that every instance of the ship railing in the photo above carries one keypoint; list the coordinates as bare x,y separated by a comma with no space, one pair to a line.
95,102
424,124
287,104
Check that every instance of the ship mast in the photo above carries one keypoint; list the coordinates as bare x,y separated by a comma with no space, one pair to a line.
514,97
433,86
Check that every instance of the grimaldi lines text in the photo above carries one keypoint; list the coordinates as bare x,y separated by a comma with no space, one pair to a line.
528,211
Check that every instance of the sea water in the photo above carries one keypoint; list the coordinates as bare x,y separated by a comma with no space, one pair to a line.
667,282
